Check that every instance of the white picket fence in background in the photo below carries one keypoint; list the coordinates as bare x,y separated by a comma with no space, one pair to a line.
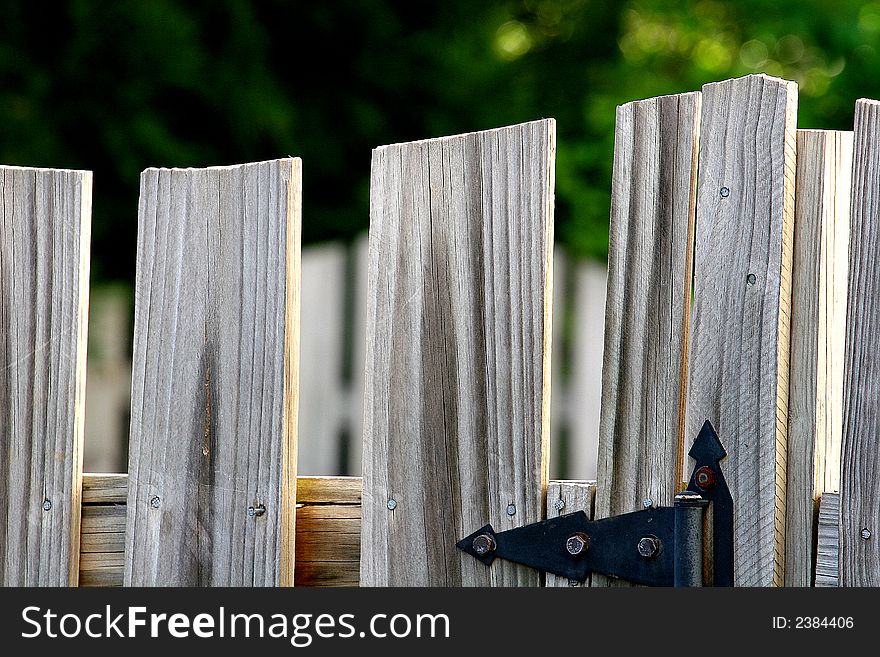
332,360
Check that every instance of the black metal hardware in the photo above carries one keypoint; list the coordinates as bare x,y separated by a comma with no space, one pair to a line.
657,546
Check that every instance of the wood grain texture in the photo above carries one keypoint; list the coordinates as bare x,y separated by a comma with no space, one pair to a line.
105,488
45,223
738,361
860,471
647,303
564,497
828,543
214,389
458,344
328,531
818,321
328,527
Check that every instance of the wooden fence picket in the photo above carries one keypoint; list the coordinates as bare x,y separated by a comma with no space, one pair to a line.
214,385
646,311
738,359
458,352
45,224
818,317
860,483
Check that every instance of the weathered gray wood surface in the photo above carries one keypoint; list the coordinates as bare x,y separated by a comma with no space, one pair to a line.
818,319
860,472
45,223
647,304
564,497
738,361
214,382
457,361
828,545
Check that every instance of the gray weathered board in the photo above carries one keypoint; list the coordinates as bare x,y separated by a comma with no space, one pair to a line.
860,474
214,386
818,317
45,223
738,360
827,543
457,360
647,304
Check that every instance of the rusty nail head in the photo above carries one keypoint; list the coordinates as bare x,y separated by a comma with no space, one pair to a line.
648,547
577,544
47,504
483,544
705,478
155,502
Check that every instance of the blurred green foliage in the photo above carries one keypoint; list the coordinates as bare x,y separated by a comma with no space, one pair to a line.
116,86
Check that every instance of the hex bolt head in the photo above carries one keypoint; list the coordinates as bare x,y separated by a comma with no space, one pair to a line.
256,511
725,192
483,544
705,478
511,509
155,502
559,505
47,504
866,533
577,544
647,502
392,504
649,547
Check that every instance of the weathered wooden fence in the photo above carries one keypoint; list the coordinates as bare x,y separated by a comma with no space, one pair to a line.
734,293
332,339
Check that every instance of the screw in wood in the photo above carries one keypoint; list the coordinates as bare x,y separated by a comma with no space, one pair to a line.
725,192
392,504
256,511
511,509
647,502
577,543
648,547
559,505
483,544
155,502
866,533
47,504
751,279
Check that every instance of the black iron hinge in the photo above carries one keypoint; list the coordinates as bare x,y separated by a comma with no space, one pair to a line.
657,546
